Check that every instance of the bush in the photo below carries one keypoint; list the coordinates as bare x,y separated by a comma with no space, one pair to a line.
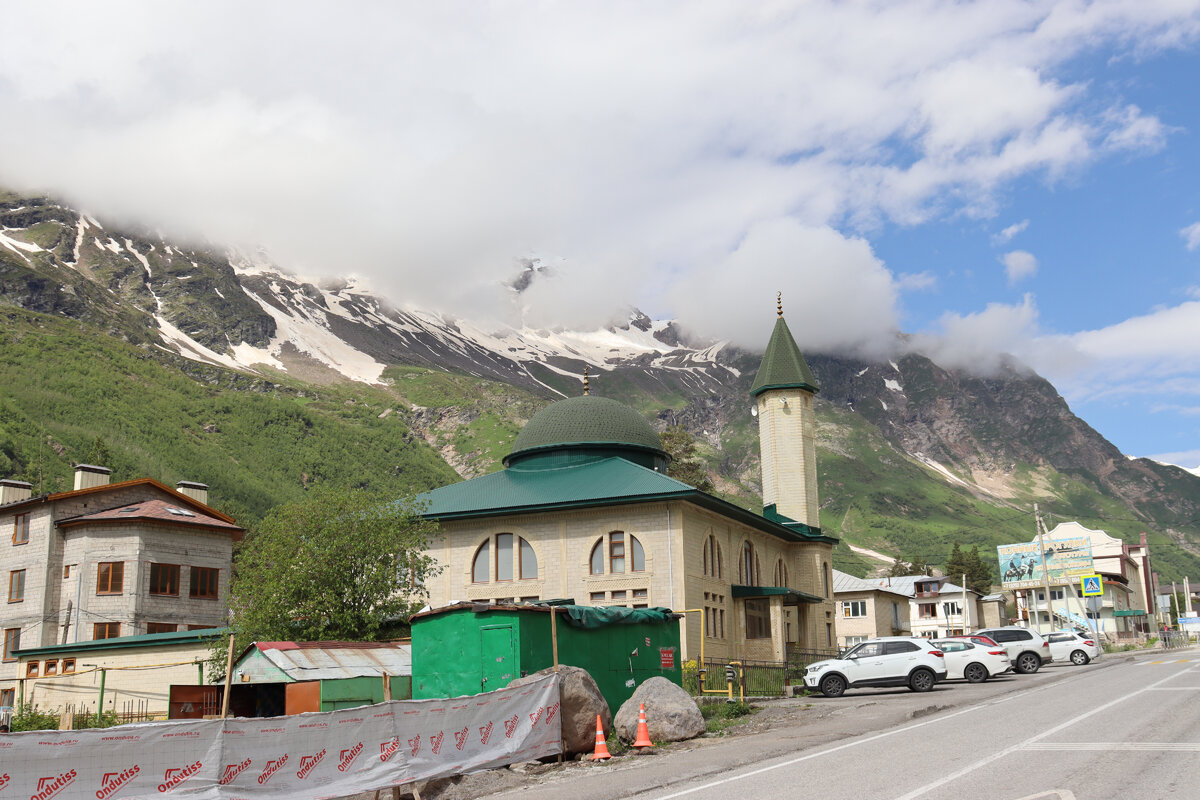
28,718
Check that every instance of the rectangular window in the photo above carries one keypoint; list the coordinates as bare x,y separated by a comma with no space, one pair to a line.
21,529
68,665
31,669
200,627
204,583
597,597
66,571
758,619
164,579
16,586
616,551
641,594
854,608
8,697
853,640
951,609
12,641
106,630
1056,594
161,627
50,668
927,610
619,596
110,577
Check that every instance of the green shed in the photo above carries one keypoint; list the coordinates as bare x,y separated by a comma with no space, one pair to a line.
468,648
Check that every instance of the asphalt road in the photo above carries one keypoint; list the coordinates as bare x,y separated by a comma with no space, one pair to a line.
1125,726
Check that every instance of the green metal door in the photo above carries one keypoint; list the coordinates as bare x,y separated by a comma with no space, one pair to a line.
498,657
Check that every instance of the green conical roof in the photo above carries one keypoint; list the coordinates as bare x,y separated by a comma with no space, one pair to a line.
783,366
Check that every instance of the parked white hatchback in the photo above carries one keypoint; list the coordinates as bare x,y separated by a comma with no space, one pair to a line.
1078,648
972,661
886,661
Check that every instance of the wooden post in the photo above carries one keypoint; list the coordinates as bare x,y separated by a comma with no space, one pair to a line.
554,635
228,679
387,687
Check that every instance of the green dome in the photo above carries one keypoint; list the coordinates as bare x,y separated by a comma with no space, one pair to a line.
587,424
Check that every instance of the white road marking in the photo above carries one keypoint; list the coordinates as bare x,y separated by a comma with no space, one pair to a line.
1032,740
1053,794
857,742
1130,746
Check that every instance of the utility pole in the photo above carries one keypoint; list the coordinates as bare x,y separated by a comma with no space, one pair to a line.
1045,572
966,625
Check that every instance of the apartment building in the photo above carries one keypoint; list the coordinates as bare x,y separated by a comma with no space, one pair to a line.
108,560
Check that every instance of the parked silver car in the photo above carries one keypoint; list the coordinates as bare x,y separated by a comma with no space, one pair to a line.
1073,646
1027,650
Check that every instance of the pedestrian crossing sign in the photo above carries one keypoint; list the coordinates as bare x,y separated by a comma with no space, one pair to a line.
1092,585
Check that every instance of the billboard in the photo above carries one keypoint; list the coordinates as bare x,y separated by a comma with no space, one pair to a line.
1067,558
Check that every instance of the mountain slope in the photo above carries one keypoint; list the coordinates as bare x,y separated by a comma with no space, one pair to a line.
913,457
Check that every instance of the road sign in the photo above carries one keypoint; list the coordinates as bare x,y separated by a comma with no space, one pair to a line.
1092,585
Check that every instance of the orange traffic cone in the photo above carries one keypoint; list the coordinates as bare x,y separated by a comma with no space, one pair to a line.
643,732
601,746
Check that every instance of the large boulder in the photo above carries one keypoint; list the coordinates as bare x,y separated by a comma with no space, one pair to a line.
671,713
581,702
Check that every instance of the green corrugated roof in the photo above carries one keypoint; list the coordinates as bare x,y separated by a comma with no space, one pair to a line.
783,365
609,481
586,420
793,595
127,642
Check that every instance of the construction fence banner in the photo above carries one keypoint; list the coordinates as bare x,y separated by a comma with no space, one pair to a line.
316,755
1067,558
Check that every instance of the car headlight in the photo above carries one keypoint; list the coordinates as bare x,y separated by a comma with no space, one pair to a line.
816,668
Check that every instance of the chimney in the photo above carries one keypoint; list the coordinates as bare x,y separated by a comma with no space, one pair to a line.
11,491
88,476
196,491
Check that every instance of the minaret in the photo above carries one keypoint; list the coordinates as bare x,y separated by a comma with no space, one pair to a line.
783,393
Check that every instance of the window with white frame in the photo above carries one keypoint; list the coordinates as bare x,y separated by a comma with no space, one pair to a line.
854,608
616,553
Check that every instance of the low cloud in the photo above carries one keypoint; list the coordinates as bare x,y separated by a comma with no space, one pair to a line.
1019,265
1008,233
1191,236
427,147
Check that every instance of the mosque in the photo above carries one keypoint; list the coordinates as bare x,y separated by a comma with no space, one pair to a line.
583,509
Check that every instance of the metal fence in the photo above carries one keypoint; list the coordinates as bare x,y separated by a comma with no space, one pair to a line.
752,678
1172,640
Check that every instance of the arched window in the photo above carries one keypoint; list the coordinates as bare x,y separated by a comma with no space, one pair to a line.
781,574
748,571
713,565
617,552
507,565
825,576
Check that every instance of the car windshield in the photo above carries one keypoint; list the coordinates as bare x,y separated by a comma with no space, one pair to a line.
864,650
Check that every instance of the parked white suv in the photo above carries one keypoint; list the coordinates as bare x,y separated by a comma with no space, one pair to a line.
1073,646
1027,650
887,661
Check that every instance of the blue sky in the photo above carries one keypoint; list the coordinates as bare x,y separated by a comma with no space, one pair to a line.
998,176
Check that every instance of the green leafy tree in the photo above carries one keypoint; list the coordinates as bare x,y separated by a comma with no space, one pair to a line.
339,565
901,568
968,562
685,464
99,455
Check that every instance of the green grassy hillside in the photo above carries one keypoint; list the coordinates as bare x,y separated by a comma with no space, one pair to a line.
256,443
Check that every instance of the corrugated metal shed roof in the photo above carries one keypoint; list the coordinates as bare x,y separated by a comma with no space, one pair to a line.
321,661
848,583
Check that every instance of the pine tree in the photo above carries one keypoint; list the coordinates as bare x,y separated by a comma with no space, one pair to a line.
685,464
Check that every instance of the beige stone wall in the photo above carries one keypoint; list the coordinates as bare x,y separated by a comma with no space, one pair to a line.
136,678
673,535
788,446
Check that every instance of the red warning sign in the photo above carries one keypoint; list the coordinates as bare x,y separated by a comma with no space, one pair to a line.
666,657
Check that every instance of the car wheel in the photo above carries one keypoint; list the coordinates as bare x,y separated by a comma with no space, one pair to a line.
1028,663
1079,658
975,673
921,680
833,685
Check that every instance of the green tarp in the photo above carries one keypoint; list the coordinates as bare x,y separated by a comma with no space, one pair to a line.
600,617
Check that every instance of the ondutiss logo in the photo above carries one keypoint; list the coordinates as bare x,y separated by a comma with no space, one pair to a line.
177,775
115,780
231,771
308,764
346,757
52,785
273,766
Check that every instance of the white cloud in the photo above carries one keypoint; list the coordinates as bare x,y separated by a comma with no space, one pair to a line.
1008,233
644,146
1191,235
1019,265
919,281
978,342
